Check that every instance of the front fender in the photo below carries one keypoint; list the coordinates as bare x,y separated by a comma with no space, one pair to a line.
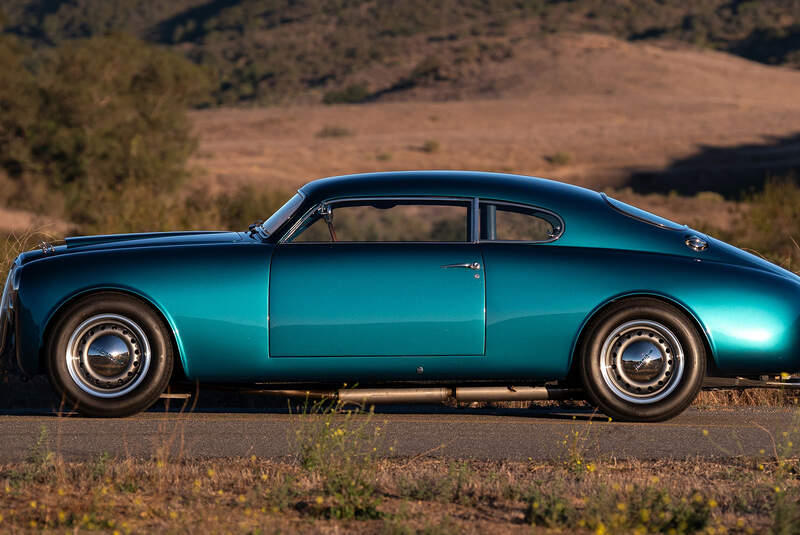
200,291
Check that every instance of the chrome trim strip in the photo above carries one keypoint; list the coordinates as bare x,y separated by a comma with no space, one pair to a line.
467,265
476,221
637,218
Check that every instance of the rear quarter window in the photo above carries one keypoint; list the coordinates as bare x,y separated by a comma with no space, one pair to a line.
507,222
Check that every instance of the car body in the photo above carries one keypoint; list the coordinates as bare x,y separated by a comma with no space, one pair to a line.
263,307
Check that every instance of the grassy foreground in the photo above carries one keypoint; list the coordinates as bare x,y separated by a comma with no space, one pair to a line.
337,482
410,495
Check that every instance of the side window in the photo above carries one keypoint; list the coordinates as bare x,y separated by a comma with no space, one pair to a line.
505,222
387,221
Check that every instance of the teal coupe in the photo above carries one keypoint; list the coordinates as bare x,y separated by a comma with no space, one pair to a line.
414,287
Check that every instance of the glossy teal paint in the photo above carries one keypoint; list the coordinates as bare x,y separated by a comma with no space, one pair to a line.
751,318
214,289
376,300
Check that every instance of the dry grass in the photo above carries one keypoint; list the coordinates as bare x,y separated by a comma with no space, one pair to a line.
416,495
14,243
335,472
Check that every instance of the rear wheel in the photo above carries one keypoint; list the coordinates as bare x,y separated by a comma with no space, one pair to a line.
109,355
642,359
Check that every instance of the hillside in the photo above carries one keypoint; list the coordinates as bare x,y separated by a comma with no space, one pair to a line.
585,108
309,51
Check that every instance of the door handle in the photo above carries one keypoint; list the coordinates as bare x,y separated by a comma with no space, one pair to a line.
467,265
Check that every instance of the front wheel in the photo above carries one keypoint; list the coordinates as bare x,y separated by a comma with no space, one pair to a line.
109,355
642,359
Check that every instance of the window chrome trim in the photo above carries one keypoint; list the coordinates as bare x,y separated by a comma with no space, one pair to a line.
617,209
562,226
469,203
262,232
476,220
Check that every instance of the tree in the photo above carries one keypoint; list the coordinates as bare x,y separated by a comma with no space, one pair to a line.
104,126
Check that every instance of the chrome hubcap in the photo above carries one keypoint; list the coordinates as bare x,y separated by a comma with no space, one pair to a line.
642,361
108,355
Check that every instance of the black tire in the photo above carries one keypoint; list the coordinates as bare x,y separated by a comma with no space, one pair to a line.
138,366
641,360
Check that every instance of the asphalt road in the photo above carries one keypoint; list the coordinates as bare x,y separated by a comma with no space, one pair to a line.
463,433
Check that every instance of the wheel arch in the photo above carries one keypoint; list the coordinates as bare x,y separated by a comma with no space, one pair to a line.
59,310
711,364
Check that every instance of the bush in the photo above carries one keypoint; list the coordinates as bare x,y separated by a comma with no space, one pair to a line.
559,158
334,131
771,226
430,146
100,124
352,94
342,452
647,509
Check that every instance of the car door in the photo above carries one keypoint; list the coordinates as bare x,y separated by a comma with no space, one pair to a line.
531,309
379,277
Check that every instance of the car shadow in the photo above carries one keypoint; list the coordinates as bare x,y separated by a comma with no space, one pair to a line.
583,414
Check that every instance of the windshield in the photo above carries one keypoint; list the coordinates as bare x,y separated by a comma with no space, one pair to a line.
282,215
641,215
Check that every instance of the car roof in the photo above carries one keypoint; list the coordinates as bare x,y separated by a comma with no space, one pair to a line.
507,187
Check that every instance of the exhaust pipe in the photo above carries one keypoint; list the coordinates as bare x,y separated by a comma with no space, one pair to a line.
374,396
377,396
514,393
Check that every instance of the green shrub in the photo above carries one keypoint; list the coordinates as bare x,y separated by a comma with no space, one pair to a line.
770,225
549,509
333,130
430,146
352,94
559,158
648,509
341,449
99,131
454,487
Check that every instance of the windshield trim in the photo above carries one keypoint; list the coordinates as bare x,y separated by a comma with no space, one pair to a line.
268,227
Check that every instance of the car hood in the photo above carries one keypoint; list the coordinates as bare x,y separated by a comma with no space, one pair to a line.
128,241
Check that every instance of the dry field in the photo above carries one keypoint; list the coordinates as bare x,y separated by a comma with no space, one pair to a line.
583,108
587,109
